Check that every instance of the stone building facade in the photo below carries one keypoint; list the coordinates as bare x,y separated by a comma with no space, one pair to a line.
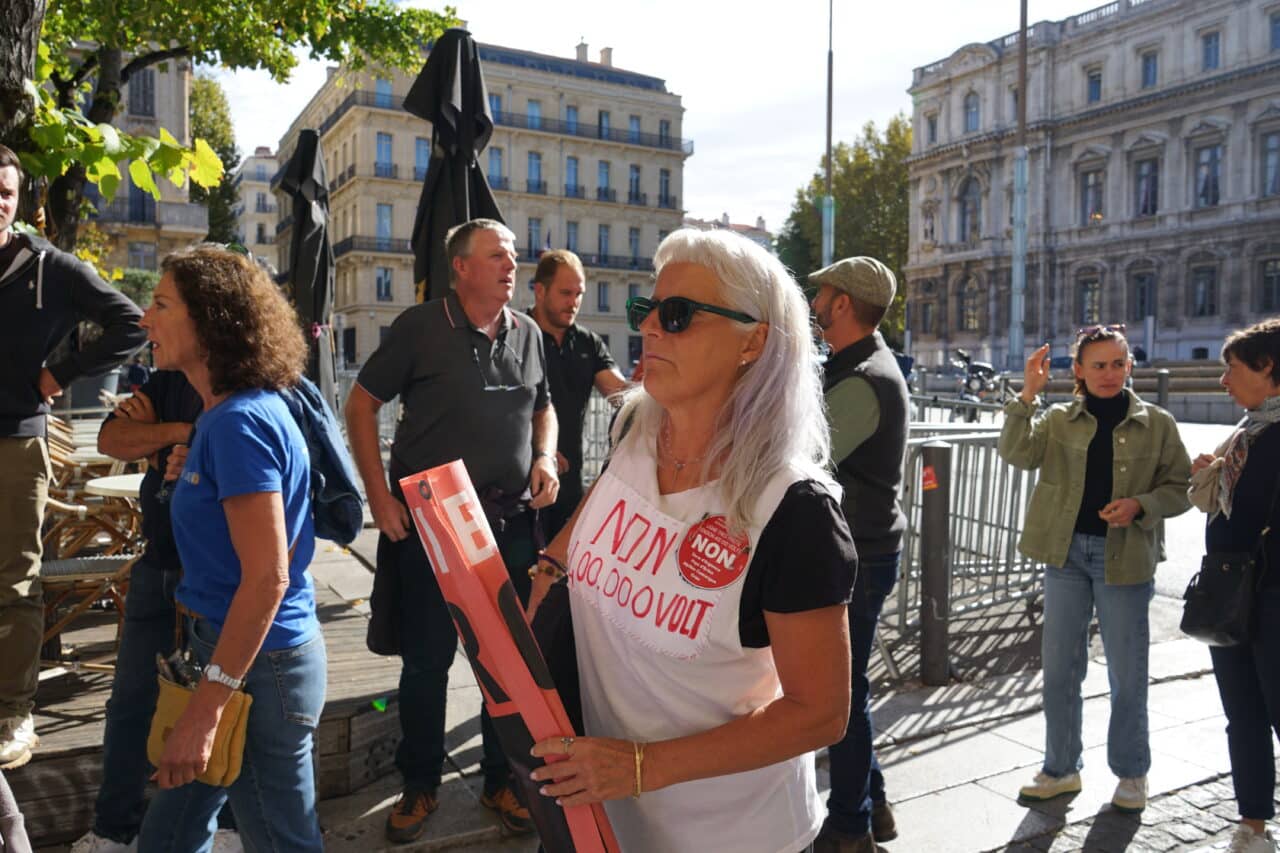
584,156
257,210
141,229
1154,180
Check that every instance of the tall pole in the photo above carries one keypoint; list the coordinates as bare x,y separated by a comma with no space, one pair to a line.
1018,279
828,200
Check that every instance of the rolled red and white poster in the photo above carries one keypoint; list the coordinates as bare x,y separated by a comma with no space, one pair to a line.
513,677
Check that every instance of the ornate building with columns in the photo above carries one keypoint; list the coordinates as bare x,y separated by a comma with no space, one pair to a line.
1154,181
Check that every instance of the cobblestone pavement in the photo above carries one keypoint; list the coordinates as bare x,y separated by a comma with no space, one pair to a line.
1196,819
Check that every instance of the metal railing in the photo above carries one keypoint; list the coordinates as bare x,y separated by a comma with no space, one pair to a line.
988,506
388,415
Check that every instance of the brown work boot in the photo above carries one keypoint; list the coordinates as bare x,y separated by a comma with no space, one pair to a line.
514,816
883,826
409,815
833,841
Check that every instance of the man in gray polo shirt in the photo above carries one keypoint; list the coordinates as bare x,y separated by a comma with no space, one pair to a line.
471,375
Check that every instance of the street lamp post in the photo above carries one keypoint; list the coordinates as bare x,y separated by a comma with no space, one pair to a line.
1018,279
828,200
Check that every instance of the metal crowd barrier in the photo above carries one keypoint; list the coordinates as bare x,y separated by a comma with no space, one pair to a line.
988,500
388,415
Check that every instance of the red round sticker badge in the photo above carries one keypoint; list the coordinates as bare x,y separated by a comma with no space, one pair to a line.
711,558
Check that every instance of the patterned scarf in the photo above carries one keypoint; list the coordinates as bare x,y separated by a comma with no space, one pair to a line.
1233,459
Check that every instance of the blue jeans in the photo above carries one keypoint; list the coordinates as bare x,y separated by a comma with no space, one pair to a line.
428,643
1070,595
1249,683
856,780
148,629
274,799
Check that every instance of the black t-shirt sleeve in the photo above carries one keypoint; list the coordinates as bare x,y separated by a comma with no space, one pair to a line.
805,560
541,391
603,359
388,368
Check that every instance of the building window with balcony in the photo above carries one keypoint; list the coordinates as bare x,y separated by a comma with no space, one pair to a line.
1204,291
603,192
261,235
633,129
1150,69
572,182
142,92
1143,302
1210,51
972,112
382,284
142,256
969,212
927,228
1146,180
633,243
635,349
602,296
664,132
926,318
602,123
535,237
1090,301
349,346
633,185
1208,175
495,166
260,172
533,112
1269,292
1091,186
1275,31
571,119
495,106
383,220
383,167
970,306
1093,85
1271,164
382,92
142,205
535,183
571,236
633,290
931,129
602,242
664,189
421,158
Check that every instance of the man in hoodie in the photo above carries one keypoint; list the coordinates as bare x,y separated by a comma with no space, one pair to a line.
44,292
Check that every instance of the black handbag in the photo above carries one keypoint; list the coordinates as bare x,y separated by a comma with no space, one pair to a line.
1218,605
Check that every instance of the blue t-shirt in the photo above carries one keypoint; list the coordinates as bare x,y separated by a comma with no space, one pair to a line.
248,443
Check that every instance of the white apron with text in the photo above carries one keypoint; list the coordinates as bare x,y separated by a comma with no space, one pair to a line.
656,584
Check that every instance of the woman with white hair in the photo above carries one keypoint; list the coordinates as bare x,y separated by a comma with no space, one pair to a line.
708,571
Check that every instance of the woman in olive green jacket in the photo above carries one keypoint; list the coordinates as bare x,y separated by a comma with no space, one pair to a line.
1112,467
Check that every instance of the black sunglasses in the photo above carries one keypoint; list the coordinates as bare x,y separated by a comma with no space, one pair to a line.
675,313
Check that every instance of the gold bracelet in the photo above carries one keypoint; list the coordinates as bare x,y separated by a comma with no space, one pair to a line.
639,750
549,570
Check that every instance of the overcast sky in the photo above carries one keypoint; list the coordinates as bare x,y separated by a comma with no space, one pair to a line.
751,75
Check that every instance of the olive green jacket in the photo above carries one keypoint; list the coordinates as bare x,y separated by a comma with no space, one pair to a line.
1150,465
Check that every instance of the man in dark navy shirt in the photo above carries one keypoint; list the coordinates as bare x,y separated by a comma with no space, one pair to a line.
159,415
577,360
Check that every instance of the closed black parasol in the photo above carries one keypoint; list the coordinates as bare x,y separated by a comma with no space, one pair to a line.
311,259
450,93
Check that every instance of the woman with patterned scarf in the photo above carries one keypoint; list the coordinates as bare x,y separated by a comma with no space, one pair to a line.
1235,486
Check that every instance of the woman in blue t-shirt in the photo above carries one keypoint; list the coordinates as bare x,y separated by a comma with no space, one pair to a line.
242,520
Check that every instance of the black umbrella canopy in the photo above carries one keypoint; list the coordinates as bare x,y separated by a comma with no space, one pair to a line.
311,258
450,93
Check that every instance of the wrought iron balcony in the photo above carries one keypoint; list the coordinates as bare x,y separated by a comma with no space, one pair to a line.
639,199
606,194
393,245
581,130
575,191
536,187
668,201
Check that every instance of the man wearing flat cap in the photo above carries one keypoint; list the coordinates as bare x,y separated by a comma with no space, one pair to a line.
867,405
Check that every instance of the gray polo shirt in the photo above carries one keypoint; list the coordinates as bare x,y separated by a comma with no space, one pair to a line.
465,397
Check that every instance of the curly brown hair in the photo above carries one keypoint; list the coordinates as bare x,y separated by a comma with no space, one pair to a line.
1258,347
248,331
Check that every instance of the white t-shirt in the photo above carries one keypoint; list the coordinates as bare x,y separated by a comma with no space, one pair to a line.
656,584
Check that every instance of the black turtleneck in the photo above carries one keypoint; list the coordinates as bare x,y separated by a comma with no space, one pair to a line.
1107,411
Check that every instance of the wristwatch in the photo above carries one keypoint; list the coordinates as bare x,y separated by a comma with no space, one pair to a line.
213,672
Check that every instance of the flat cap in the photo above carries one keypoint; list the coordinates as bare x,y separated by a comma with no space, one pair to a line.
862,278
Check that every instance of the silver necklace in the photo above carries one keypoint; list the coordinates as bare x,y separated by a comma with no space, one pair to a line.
665,438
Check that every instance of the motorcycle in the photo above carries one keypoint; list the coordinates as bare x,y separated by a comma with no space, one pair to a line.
976,380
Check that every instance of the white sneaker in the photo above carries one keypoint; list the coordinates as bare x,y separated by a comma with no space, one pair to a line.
1130,795
1245,840
17,739
91,842
227,841
1046,787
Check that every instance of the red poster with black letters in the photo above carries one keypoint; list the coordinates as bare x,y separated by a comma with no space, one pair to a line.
513,677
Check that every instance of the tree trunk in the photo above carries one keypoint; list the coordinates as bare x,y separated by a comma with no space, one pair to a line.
20,34
67,192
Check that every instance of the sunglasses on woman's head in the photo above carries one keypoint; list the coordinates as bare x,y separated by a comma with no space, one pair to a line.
1093,331
675,313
